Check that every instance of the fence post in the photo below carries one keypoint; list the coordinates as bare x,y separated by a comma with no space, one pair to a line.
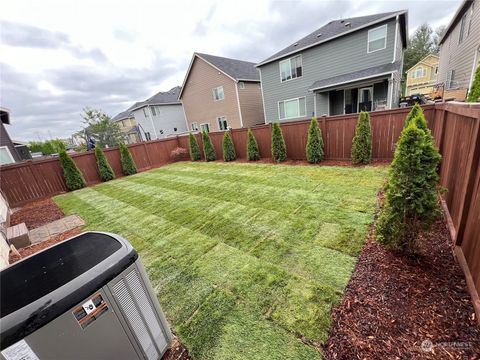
146,153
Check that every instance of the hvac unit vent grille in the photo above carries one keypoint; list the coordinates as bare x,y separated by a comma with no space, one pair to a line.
133,300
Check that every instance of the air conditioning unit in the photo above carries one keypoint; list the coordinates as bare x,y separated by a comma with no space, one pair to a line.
88,297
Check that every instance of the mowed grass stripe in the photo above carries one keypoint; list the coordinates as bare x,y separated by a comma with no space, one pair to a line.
248,270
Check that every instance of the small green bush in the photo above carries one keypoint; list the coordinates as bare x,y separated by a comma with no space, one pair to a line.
228,147
315,152
415,112
104,168
208,149
194,148
253,154
128,165
72,175
279,149
362,141
411,191
474,93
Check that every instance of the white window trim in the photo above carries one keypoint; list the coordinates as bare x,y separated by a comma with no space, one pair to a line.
9,154
196,125
280,68
385,43
293,117
223,92
218,125
205,123
241,85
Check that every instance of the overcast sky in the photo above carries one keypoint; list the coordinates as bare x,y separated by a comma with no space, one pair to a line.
58,56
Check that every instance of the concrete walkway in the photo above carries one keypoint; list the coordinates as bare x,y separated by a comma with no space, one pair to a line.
54,228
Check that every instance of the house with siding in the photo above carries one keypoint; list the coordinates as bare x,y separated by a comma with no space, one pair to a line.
220,93
159,116
460,51
128,126
422,77
8,152
345,66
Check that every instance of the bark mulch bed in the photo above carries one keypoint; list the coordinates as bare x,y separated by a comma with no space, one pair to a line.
36,214
306,163
176,352
32,249
399,308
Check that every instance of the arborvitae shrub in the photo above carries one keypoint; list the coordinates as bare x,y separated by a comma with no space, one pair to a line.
411,192
416,110
279,149
474,93
194,148
104,168
228,147
253,154
362,141
73,177
128,165
208,149
314,148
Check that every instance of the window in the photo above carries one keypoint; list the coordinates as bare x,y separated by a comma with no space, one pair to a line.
153,111
377,38
218,93
291,68
147,136
194,126
241,85
205,127
470,21
5,156
145,112
420,72
293,108
222,123
462,28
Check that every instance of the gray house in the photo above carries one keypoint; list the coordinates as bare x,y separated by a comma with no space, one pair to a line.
157,117
345,66
8,152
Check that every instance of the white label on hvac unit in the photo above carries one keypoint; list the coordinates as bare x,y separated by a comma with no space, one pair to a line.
19,351
89,306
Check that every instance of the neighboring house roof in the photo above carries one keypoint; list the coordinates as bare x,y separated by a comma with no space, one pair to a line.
425,62
5,115
335,29
237,70
127,114
456,18
355,76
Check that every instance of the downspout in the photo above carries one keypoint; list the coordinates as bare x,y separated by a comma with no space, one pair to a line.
263,98
151,119
395,41
238,104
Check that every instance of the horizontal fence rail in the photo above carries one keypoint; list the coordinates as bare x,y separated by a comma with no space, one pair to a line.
454,126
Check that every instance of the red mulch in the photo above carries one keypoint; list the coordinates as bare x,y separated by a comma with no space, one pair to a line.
306,163
32,249
176,352
393,304
36,214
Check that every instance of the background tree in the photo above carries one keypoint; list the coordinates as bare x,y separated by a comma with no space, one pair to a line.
279,149
193,147
420,45
362,141
416,111
437,36
474,93
228,147
104,168
128,165
99,126
72,175
208,149
253,154
49,147
314,148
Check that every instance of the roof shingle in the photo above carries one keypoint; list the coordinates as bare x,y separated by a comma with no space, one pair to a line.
237,69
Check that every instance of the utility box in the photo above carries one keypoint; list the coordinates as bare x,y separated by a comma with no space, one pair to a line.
88,297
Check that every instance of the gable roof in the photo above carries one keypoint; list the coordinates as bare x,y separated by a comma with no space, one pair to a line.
338,28
237,70
456,18
424,62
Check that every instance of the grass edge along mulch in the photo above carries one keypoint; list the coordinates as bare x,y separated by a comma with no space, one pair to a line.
398,308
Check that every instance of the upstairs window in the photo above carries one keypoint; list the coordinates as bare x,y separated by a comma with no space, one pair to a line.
241,85
194,126
222,123
291,68
377,39
205,127
420,72
154,113
218,93
462,28
145,112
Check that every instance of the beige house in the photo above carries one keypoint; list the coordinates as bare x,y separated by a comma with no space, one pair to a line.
422,77
128,126
220,93
460,51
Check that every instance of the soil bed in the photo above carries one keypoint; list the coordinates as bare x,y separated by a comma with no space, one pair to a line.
393,305
36,214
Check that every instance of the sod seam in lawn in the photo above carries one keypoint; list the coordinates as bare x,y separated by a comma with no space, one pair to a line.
246,259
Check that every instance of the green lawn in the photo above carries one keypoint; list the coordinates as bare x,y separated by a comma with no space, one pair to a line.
246,259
